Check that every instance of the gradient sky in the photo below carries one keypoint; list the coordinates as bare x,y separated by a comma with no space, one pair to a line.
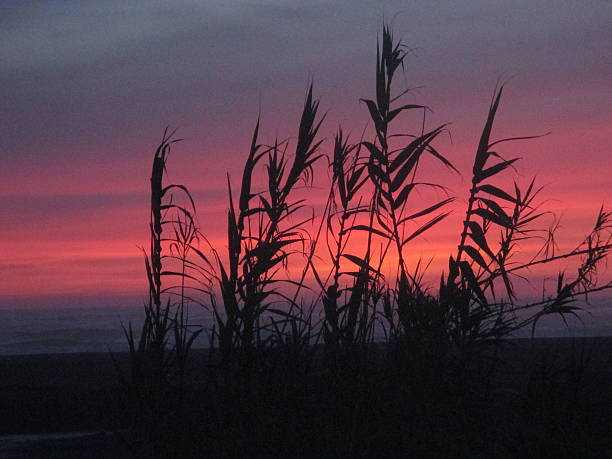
88,86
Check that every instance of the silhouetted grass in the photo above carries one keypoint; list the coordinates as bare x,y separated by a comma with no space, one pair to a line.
349,361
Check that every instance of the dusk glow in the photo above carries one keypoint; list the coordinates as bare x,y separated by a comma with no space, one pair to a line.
88,88
283,228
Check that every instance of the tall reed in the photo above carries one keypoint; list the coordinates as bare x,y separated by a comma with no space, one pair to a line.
266,323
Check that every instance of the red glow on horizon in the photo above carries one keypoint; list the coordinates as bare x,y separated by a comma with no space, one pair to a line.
76,203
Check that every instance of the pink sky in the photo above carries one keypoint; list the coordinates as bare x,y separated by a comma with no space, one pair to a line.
89,87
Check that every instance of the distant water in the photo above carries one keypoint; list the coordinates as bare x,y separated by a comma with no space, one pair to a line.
61,330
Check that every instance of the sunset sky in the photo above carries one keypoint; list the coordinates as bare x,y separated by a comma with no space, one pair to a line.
88,87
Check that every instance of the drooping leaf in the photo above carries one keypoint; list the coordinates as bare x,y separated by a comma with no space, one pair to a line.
478,236
493,190
493,170
427,210
490,216
405,153
425,227
360,262
476,256
401,198
393,113
441,158
495,208
366,228
406,168
382,223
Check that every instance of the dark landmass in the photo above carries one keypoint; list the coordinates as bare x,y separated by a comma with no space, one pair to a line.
43,395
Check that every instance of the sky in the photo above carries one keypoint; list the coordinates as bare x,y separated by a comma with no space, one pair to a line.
88,87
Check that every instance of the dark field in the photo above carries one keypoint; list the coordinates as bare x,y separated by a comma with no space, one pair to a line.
549,398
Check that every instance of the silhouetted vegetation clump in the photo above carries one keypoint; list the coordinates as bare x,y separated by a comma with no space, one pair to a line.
318,348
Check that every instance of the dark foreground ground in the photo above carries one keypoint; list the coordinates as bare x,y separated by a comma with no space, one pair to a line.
71,405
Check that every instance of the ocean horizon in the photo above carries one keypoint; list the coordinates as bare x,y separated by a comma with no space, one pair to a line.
44,330
74,329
